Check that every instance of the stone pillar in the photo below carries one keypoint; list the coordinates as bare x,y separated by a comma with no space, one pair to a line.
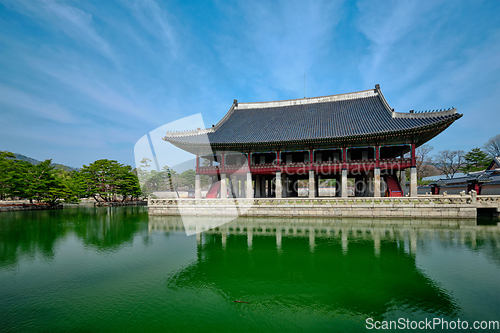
343,183
223,186
376,183
402,180
236,186
243,192
197,186
312,185
249,186
413,182
230,186
279,190
369,185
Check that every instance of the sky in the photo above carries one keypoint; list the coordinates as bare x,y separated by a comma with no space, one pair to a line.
85,80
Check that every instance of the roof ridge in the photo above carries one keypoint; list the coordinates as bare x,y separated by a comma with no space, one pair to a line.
434,114
383,100
308,100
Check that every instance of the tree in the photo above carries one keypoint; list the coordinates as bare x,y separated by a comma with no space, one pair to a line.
105,179
492,147
33,181
423,161
7,171
449,162
41,182
188,178
475,160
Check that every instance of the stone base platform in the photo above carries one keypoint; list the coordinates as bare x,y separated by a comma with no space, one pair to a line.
421,208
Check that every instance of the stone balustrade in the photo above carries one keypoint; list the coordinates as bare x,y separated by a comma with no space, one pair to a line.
407,207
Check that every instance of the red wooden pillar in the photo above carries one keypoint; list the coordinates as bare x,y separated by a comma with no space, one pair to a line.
377,156
311,158
344,158
413,160
249,160
223,162
197,163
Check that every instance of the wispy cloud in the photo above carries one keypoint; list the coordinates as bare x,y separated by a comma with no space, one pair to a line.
278,42
35,106
155,19
72,21
388,28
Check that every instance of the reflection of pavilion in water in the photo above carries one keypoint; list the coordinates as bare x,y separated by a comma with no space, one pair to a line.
406,232
319,265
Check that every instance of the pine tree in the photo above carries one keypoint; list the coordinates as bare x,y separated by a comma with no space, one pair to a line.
475,160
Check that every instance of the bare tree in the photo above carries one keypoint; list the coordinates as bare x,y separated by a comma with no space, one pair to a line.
493,146
423,161
449,162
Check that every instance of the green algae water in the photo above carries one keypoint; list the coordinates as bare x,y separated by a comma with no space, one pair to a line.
119,270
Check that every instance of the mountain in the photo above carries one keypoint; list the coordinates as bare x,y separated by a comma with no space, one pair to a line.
35,162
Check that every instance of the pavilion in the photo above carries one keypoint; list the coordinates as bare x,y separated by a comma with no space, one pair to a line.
263,149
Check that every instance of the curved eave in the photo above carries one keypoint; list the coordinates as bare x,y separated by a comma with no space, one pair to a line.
427,129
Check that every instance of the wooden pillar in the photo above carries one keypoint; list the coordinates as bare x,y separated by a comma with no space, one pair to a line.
413,159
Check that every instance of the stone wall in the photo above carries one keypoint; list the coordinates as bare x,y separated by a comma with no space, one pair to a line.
428,207
20,207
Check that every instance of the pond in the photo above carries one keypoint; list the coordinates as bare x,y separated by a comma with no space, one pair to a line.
117,269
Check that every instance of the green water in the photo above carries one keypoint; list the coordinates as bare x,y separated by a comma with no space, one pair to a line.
117,270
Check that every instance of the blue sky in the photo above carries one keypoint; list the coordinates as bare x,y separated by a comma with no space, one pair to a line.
84,80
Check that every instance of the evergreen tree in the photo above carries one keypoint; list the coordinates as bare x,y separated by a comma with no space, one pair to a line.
105,179
475,160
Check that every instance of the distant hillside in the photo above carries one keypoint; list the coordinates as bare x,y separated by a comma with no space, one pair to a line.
35,162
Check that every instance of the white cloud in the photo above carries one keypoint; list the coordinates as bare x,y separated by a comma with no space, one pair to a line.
283,41
154,19
72,21
35,106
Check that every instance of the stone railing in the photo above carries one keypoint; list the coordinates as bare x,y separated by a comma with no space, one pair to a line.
461,207
326,202
488,200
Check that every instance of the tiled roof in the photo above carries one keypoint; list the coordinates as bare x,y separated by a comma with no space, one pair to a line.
360,114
